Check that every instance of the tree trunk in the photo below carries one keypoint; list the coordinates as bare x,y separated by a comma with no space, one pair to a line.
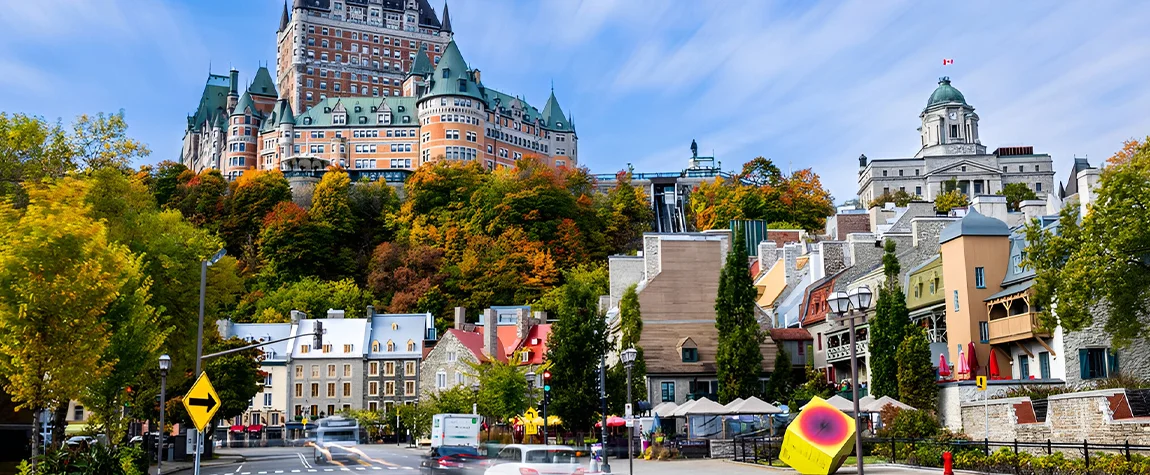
59,423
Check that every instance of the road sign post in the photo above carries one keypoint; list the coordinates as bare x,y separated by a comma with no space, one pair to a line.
980,381
201,402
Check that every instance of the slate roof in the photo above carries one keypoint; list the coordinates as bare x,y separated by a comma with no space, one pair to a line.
1072,184
253,332
427,15
421,66
337,332
452,77
263,85
213,101
399,329
553,115
974,224
446,27
246,105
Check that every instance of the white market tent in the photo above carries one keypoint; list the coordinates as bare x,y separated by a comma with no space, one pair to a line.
665,409
754,406
681,410
732,404
703,407
884,401
840,403
865,402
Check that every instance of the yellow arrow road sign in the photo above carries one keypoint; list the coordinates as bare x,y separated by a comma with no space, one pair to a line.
202,402
980,381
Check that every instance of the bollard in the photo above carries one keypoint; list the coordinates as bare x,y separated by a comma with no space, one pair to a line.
947,463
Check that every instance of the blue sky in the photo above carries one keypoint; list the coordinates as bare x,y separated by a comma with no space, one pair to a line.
806,84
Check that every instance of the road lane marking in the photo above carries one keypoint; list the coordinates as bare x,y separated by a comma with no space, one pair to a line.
295,471
279,471
263,473
360,468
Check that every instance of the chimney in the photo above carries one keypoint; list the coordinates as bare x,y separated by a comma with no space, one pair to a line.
370,311
296,316
791,253
1033,209
333,313
993,206
491,334
478,76
460,317
224,326
768,255
540,317
522,323
1087,182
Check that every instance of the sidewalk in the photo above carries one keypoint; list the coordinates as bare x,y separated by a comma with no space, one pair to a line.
221,459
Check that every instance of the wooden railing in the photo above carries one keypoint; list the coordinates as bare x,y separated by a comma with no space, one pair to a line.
1015,327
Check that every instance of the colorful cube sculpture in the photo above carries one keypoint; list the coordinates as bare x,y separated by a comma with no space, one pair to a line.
819,440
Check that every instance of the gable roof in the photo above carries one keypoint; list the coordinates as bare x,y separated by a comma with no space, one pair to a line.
212,102
422,65
964,162
402,110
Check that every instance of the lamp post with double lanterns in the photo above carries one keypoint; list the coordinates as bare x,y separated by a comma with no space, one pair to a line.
851,306
165,365
628,356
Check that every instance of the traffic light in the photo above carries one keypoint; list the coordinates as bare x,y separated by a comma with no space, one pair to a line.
546,381
318,340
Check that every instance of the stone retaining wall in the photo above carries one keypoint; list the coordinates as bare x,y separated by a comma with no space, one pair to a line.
1101,417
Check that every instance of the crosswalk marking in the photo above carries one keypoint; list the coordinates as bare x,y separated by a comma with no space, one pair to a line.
359,468
263,473
376,468
279,471
295,471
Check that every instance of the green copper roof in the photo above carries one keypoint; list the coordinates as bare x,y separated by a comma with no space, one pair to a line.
451,76
553,115
263,85
361,111
945,93
421,66
283,113
973,224
530,113
245,103
213,101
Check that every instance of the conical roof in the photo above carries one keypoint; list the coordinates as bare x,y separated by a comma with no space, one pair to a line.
451,76
446,26
421,66
283,19
283,113
554,116
974,224
245,103
263,85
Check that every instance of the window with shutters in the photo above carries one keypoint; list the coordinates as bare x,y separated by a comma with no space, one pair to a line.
1095,363
984,332
1044,365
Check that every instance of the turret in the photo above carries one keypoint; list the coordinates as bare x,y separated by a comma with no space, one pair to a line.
283,19
445,27
233,90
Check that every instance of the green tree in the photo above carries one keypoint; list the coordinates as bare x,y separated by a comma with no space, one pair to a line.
1016,193
373,206
201,198
950,198
576,345
252,196
457,400
59,274
888,328
417,418
630,332
782,380
292,246
31,150
1098,264
816,384
916,380
165,180
501,388
309,295
626,215
236,377
900,198
101,141
738,358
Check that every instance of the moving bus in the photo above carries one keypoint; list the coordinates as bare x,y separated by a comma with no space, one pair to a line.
335,437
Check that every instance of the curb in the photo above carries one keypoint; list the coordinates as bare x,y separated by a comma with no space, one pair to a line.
229,460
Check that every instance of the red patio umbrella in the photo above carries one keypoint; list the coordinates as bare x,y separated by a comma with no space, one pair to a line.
613,421
943,368
993,365
972,358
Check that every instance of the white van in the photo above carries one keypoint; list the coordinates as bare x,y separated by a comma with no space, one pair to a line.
334,436
455,429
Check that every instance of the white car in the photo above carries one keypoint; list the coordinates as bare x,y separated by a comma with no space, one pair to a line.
520,459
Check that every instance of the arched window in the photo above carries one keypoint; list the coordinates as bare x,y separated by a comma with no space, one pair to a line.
390,345
410,345
375,346
394,326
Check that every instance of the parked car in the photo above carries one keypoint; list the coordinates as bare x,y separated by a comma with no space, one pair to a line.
453,460
80,441
522,459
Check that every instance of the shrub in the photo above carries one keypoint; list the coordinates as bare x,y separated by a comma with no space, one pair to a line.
1035,391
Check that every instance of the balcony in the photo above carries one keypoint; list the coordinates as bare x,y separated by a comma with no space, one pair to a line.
844,352
1015,327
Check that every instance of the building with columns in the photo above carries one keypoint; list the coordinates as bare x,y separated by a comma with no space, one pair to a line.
950,149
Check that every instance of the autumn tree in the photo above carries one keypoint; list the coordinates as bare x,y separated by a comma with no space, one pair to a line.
165,179
626,214
1098,264
409,280
330,205
373,206
763,192
293,247
916,375
900,198
738,357
201,197
309,295
31,149
101,141
1016,193
252,196
59,274
888,328
949,200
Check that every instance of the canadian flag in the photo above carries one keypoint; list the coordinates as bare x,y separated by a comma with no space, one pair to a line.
947,61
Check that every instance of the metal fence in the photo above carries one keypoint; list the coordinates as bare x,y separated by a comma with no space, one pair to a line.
928,452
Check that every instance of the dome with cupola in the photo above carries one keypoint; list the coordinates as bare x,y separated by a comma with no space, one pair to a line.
945,93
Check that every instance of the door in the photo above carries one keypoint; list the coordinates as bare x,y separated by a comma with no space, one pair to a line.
1044,364
1023,367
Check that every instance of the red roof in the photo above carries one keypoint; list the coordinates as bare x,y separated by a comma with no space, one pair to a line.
755,269
790,334
538,334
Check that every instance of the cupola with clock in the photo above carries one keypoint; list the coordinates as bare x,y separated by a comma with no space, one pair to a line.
949,124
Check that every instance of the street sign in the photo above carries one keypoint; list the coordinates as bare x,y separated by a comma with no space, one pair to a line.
190,444
202,402
627,410
980,381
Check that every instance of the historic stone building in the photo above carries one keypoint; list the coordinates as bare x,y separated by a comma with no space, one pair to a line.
393,357
950,149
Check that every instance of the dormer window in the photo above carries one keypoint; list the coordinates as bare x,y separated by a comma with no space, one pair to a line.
390,346
362,120
446,73
394,326
462,85
375,346
525,356
690,355
339,119
384,119
307,121
358,108
410,345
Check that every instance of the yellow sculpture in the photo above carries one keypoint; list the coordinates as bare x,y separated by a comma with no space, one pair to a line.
818,441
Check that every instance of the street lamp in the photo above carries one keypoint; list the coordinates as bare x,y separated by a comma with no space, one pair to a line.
628,358
165,364
850,307
475,393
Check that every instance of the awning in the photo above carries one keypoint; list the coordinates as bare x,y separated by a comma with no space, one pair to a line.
293,425
255,428
236,428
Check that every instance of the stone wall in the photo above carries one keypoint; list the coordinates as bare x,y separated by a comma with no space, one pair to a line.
863,251
1133,359
624,271
1101,417
437,360
834,256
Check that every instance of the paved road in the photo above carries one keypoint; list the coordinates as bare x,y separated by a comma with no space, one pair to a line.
299,460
